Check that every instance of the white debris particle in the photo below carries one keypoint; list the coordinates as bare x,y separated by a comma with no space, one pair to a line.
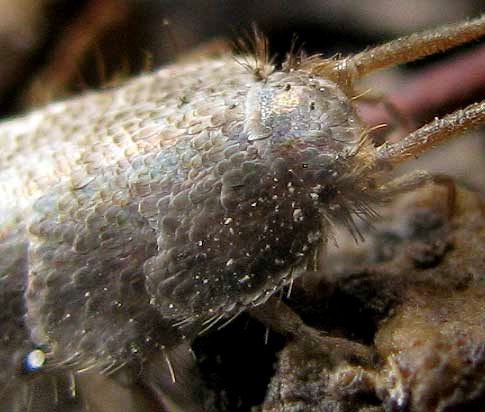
229,262
227,220
313,237
297,215
244,279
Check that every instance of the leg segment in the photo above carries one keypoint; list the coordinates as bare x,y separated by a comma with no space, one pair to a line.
415,46
417,179
282,319
432,133
345,71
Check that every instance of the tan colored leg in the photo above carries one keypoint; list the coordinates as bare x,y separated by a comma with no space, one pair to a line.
406,183
282,319
345,71
432,133
417,179
415,46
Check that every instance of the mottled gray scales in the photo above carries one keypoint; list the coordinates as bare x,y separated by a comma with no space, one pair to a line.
168,199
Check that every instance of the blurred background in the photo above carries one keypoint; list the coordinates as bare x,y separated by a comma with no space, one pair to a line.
72,46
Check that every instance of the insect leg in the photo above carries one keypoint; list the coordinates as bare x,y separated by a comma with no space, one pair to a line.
432,133
417,179
406,183
172,377
282,319
413,47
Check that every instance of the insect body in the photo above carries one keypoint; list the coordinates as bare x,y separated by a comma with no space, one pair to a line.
183,197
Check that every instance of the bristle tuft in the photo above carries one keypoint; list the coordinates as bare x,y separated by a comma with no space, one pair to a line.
255,55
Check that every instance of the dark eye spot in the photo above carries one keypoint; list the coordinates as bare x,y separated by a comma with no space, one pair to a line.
312,106
288,87
327,193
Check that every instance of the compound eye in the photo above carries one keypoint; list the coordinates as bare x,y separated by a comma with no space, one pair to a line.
34,361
